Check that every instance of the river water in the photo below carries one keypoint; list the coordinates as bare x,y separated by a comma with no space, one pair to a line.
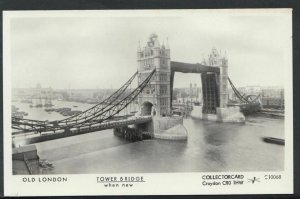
210,147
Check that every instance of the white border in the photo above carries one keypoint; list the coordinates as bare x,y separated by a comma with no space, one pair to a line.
163,183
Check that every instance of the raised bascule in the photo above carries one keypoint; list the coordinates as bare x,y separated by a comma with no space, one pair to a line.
214,79
158,95
155,76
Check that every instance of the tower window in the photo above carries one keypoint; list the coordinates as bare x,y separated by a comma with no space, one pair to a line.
163,102
163,77
163,89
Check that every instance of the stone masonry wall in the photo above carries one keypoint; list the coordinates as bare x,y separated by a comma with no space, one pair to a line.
164,123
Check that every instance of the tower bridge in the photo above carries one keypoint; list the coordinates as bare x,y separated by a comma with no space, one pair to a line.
155,76
158,94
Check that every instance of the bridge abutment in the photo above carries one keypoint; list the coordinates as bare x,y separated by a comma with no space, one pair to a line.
227,114
169,128
25,160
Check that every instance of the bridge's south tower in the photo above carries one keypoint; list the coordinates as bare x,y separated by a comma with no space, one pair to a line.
155,98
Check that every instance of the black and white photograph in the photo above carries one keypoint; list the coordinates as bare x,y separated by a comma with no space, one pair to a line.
149,92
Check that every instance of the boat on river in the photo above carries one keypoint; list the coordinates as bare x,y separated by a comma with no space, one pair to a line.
49,109
273,140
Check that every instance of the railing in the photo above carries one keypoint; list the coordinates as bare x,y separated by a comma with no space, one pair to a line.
111,124
30,170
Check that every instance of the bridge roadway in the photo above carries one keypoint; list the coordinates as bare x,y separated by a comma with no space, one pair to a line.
31,138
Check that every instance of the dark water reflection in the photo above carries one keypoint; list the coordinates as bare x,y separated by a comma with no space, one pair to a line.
210,147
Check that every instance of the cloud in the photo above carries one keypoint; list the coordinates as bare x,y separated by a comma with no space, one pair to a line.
100,52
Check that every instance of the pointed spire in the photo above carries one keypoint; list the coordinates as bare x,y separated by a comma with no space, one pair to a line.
139,47
167,45
203,59
163,45
156,43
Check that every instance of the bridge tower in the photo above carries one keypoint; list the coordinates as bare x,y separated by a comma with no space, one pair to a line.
155,98
217,60
215,92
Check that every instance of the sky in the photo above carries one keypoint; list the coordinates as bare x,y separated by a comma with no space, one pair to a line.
95,51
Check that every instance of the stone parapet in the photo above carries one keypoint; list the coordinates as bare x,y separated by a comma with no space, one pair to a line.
29,151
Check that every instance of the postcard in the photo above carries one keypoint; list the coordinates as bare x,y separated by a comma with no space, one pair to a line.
148,102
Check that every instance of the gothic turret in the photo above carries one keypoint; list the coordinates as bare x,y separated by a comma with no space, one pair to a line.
214,59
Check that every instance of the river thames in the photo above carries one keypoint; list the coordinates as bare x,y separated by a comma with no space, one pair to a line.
211,147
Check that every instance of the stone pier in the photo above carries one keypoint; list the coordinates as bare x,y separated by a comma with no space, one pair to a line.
228,114
169,128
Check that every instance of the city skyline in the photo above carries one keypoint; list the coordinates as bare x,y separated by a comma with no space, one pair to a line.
86,52
183,87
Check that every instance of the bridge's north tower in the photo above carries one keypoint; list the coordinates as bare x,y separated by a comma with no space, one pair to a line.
155,98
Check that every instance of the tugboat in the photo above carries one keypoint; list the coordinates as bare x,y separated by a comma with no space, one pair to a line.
274,140
45,164
17,115
26,101
48,102
23,113
31,102
49,109
39,103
